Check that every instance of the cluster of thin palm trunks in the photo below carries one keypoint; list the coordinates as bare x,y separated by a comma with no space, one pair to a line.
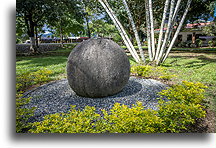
158,50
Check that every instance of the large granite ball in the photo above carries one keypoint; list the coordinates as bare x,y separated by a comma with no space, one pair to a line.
97,68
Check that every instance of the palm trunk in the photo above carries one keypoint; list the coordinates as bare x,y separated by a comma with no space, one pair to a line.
167,34
148,31
121,30
161,28
152,28
177,30
134,30
176,10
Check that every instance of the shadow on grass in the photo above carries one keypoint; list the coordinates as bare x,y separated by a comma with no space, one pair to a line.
43,61
187,62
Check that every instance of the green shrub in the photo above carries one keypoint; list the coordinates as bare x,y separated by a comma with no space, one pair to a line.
136,119
167,77
210,43
198,42
182,44
148,71
175,115
188,92
142,70
31,78
23,114
75,121
184,106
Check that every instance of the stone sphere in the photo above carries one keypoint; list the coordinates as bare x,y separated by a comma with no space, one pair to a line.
97,68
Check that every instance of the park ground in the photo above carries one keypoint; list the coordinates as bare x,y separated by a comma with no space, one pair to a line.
193,65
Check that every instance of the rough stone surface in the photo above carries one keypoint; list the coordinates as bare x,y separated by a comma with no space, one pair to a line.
97,68
56,97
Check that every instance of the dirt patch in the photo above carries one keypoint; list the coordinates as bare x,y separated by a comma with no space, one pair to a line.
205,125
210,121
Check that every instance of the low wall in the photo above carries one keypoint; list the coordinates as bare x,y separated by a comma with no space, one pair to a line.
24,49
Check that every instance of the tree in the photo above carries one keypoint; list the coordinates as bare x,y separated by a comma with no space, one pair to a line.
134,30
121,30
65,18
164,43
210,30
21,33
33,13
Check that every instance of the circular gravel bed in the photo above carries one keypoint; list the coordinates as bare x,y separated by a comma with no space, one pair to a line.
56,97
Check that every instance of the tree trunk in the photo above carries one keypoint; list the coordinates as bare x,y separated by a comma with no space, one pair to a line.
152,28
167,34
161,28
148,31
88,28
61,37
134,30
32,45
30,31
36,36
176,10
121,30
177,30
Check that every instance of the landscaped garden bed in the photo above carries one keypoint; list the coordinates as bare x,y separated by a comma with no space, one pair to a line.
33,71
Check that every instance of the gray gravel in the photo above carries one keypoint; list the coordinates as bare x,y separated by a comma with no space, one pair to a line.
56,97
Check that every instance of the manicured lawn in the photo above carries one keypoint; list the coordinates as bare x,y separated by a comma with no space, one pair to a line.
31,64
195,67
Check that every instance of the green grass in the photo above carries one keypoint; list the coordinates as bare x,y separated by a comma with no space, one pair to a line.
30,64
195,67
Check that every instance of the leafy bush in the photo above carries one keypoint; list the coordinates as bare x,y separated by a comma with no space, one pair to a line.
188,92
184,106
188,43
23,114
193,45
198,42
167,77
175,115
75,121
22,82
123,119
142,70
210,43
30,78
152,72
182,44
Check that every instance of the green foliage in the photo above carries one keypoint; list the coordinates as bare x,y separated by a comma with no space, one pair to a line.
199,42
175,115
30,78
184,106
75,121
23,114
209,29
123,119
142,70
182,44
210,43
148,71
188,92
